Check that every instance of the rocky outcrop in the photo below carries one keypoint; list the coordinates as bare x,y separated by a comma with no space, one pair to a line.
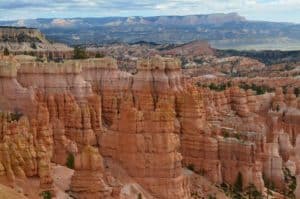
18,40
26,148
89,180
150,124
142,137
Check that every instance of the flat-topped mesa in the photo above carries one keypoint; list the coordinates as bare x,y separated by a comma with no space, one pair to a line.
55,78
20,39
21,34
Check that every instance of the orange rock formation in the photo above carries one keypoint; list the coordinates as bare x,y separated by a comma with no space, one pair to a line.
151,124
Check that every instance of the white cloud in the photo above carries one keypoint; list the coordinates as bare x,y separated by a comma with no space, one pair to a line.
275,10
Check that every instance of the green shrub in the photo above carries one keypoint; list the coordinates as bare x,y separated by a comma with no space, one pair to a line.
33,46
268,184
70,161
16,116
237,136
46,195
99,55
253,193
290,184
260,90
226,134
220,87
79,53
229,84
199,60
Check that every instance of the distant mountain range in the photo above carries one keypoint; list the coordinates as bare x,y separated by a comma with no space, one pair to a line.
224,31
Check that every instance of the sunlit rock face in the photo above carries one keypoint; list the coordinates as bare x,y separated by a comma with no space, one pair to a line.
150,124
142,135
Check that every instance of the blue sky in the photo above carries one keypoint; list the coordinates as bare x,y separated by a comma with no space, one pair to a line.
268,10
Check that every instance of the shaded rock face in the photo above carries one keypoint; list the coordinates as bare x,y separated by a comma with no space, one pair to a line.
89,180
152,124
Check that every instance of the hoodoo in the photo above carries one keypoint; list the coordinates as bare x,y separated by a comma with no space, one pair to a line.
130,135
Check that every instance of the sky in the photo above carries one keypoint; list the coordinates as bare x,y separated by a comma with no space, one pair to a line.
266,10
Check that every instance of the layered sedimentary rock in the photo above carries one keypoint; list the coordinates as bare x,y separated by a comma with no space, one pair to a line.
26,149
220,159
89,180
19,40
142,137
151,124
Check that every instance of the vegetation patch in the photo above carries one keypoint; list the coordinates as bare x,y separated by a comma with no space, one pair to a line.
238,192
70,161
16,116
216,87
290,184
260,90
46,195
80,53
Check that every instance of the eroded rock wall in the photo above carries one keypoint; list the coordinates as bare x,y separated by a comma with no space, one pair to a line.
152,124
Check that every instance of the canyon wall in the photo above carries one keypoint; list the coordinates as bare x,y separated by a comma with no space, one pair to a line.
151,125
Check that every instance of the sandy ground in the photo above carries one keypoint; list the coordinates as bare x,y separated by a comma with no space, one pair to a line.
62,180
9,193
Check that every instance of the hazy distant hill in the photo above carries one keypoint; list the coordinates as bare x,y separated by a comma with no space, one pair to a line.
221,30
